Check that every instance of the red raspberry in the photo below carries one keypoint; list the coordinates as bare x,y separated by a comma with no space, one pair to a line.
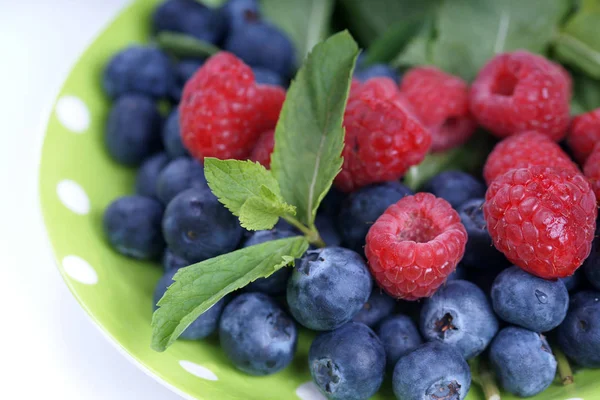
383,137
263,149
542,219
520,91
584,134
223,111
441,101
525,150
415,245
591,170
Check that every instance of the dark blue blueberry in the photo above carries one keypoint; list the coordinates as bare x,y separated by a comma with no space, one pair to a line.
132,226
241,12
399,336
459,314
133,130
347,363
379,306
205,324
591,266
523,361
171,261
171,137
362,208
180,174
573,282
483,277
267,77
183,71
328,288
138,70
257,335
579,334
459,273
327,229
455,187
197,227
432,371
145,181
534,303
191,18
377,71
332,203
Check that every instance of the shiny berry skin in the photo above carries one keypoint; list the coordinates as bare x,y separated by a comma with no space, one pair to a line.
583,135
223,111
415,245
263,148
520,91
441,101
591,170
525,150
542,219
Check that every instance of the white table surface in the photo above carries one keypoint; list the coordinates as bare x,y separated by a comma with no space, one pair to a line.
47,343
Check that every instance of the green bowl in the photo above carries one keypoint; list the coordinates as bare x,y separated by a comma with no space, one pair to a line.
78,180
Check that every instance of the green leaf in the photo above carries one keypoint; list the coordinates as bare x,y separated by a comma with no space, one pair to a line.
199,286
181,45
578,43
309,136
392,42
417,51
259,213
212,3
586,94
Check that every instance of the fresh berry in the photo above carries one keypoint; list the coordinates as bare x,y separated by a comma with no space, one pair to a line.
433,371
171,261
328,230
332,203
263,148
197,227
132,227
347,363
257,335
415,245
525,150
523,361
202,326
383,137
591,170
460,315
183,71
379,306
192,18
376,71
456,187
579,334
328,287
223,111
180,174
573,282
399,336
583,135
267,77
147,175
459,273
521,91
441,101
591,266
133,130
241,12
171,137
362,208
542,219
138,70
525,300
484,277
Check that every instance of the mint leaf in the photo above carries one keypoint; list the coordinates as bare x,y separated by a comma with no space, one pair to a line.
391,43
417,50
309,136
586,94
181,45
199,286
259,213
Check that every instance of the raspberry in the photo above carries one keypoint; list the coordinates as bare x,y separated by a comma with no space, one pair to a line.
584,134
520,91
591,170
263,149
223,111
525,150
441,101
415,245
542,219
383,137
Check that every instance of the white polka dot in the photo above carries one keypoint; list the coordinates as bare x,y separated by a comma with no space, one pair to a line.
309,391
73,114
73,196
198,370
80,270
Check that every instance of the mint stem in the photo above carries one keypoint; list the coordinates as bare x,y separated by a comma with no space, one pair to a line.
312,235
487,382
564,368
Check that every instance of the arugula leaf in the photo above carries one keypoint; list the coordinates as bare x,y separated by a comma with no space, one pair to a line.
182,45
309,136
199,286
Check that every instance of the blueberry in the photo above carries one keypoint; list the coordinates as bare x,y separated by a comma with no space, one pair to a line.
362,208
328,288
138,70
327,229
347,363
192,18
241,12
132,226
591,266
573,282
459,273
171,261
377,71
579,333
267,77
205,324
145,181
455,187
197,227
332,203
459,314
133,130
528,301
179,175
432,371
171,137
523,361
399,336
257,335
183,71
379,306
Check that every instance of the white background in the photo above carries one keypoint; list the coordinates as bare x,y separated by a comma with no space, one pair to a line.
47,343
